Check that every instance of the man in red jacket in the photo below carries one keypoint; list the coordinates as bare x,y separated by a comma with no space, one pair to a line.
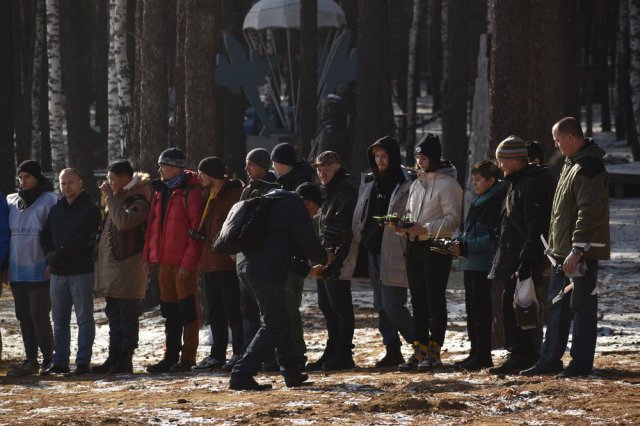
175,244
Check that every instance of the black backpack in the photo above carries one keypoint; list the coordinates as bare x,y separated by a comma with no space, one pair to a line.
244,227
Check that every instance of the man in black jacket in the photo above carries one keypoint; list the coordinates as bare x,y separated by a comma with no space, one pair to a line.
520,254
291,171
340,195
266,269
67,240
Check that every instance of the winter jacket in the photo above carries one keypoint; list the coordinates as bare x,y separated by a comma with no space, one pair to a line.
5,232
480,229
301,173
580,213
27,262
289,230
333,220
392,247
126,216
69,235
525,216
260,186
435,202
214,217
167,239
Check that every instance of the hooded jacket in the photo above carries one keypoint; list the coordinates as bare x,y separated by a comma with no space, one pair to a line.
525,216
167,240
214,216
301,173
580,212
126,214
435,201
480,229
393,246
68,236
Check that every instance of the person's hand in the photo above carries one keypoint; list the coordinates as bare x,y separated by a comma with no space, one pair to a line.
316,271
416,231
183,273
106,189
47,272
571,262
454,248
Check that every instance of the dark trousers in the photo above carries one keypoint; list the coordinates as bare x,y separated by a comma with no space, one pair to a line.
477,299
124,326
274,331
223,298
293,291
334,301
428,274
584,308
250,312
391,304
32,306
524,344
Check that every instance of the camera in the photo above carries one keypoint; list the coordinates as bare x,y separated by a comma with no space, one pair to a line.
195,234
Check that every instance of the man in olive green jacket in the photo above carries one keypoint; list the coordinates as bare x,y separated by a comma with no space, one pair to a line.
578,237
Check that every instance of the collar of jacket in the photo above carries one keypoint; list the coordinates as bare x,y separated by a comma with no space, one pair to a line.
589,149
336,182
82,198
498,187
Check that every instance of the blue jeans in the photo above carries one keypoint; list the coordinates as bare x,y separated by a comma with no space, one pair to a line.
390,303
72,291
584,308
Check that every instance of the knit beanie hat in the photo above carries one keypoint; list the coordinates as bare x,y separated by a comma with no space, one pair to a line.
284,153
512,148
172,157
32,167
260,157
310,192
212,166
429,146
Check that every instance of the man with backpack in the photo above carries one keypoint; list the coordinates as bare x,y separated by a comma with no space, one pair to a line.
173,242
120,275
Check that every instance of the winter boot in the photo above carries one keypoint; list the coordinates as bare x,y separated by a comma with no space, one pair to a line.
329,352
432,359
419,352
342,361
104,368
392,358
472,354
124,364
479,362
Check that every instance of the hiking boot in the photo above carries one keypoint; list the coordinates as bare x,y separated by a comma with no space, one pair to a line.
182,366
240,382
329,352
392,358
231,363
432,359
342,361
161,366
511,365
82,369
56,369
292,380
209,364
542,370
419,352
27,368
106,365
45,367
472,354
569,372
124,364
478,363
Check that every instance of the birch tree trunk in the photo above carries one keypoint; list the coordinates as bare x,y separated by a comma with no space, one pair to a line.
634,69
36,86
114,141
56,101
413,80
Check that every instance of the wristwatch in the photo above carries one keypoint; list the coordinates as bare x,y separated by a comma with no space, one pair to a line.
577,250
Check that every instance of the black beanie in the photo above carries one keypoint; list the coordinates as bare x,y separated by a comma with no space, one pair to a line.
32,167
284,153
212,166
310,192
429,146
260,157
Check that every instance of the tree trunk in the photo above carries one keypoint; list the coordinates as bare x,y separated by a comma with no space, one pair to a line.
100,80
56,100
39,53
151,77
413,75
434,47
373,98
178,124
634,74
455,94
7,166
23,63
199,60
624,100
308,105
114,142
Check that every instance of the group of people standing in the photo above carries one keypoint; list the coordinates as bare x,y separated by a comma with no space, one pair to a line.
390,228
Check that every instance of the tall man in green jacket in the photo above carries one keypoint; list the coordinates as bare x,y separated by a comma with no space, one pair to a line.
578,234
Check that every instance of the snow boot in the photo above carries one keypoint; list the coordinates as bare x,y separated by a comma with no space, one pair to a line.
342,361
124,364
419,352
392,358
104,368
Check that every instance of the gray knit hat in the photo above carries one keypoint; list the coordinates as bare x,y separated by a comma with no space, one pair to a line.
260,157
172,157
